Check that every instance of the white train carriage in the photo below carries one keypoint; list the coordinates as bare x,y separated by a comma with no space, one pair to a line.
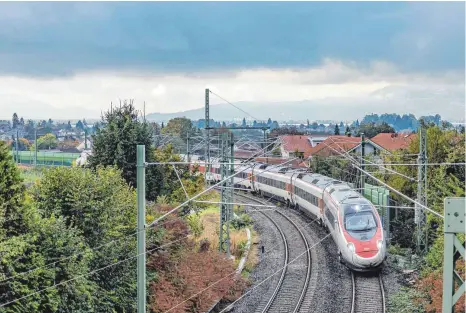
242,177
273,183
308,193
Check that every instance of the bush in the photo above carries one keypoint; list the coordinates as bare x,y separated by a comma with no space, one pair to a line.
242,221
195,224
406,300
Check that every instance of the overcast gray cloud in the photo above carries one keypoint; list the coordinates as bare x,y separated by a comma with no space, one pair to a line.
73,58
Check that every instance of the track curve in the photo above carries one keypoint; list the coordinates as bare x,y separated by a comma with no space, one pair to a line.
291,288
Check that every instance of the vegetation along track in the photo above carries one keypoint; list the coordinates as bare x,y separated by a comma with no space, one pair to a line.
289,293
368,293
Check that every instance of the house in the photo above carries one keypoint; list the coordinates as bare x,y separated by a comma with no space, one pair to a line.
381,143
295,145
389,142
317,138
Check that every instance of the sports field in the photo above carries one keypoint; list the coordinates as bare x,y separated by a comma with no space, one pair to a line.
46,158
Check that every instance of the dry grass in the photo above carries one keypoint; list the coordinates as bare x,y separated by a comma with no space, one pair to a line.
211,220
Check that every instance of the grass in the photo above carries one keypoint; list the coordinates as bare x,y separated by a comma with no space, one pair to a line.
211,219
51,158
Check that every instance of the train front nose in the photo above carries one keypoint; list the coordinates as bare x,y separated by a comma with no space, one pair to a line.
367,260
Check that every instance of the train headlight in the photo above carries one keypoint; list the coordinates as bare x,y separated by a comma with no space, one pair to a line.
379,244
351,247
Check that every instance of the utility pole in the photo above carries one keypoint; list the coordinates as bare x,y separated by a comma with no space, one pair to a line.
420,216
226,194
207,129
187,147
17,144
141,225
363,154
35,147
455,219
85,138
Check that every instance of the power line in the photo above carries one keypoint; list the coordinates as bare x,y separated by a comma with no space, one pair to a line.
233,105
89,273
76,254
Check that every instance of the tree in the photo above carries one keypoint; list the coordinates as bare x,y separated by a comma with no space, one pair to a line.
11,191
179,126
21,121
15,121
115,145
50,123
337,130
80,125
68,126
243,124
48,141
269,122
348,131
372,129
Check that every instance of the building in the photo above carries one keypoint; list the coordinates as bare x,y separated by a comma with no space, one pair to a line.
389,142
295,146
381,143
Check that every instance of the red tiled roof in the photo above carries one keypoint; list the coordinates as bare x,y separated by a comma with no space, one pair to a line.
291,143
334,144
276,161
393,141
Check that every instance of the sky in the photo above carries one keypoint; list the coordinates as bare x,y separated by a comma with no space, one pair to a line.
72,59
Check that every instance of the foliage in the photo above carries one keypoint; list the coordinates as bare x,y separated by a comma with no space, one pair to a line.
242,221
179,126
48,141
285,131
115,145
100,205
195,224
11,194
337,130
372,129
406,300
184,269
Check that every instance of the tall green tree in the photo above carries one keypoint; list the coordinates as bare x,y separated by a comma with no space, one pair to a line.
15,120
337,130
101,207
115,145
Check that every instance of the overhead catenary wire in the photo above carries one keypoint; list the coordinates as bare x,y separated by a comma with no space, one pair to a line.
90,273
233,105
206,190
77,254
393,189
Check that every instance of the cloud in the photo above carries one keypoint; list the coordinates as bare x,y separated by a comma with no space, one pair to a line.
383,84
64,39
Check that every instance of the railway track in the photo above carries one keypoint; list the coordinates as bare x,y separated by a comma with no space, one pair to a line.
289,295
368,294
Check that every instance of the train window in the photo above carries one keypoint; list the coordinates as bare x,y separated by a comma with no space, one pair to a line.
330,217
314,181
331,190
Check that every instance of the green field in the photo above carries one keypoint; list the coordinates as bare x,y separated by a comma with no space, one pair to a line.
46,158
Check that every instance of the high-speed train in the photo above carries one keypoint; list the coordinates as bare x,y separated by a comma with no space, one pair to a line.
352,220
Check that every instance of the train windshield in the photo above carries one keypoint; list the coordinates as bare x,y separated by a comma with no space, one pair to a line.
359,218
